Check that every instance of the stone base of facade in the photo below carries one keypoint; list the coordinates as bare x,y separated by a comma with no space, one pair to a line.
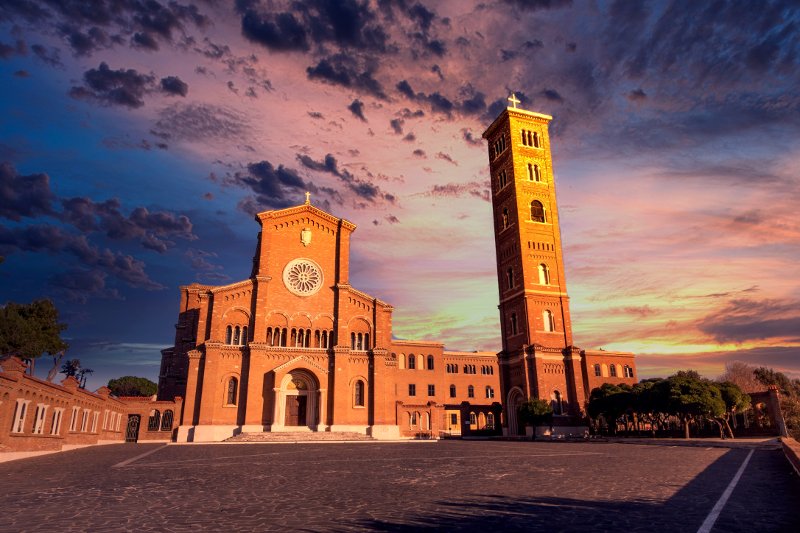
206,433
384,432
364,430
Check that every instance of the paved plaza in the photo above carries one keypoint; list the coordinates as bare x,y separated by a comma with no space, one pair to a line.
448,485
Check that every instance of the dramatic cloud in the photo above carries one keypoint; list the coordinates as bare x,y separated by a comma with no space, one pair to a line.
744,320
459,190
24,196
114,87
274,188
196,122
357,108
347,71
54,240
174,85
362,189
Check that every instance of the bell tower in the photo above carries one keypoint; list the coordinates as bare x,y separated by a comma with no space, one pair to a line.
537,359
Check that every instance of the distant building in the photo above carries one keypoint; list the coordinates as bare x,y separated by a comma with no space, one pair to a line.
538,358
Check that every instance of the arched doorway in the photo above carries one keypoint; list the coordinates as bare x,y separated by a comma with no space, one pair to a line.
515,401
297,405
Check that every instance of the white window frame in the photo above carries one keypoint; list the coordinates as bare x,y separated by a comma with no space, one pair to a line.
20,414
85,420
38,421
58,414
95,418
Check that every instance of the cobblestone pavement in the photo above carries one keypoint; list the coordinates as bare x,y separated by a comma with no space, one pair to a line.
450,485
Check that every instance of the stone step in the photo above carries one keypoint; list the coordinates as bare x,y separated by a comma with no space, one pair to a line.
299,436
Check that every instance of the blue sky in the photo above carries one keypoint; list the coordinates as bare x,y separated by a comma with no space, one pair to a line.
137,140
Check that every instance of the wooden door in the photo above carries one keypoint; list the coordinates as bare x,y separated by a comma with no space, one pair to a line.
301,410
292,411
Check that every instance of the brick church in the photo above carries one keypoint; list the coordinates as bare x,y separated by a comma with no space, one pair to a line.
295,347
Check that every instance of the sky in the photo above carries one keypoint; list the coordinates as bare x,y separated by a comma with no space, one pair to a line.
138,138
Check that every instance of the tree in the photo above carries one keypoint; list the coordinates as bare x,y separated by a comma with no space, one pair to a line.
690,397
735,400
73,368
29,331
132,386
742,375
536,412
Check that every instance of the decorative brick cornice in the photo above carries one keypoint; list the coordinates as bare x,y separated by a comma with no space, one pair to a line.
305,208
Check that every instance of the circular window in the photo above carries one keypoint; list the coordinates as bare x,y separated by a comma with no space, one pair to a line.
303,277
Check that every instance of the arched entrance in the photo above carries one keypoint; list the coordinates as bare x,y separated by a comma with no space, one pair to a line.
297,405
515,401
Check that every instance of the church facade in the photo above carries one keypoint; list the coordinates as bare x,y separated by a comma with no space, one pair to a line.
538,358
295,347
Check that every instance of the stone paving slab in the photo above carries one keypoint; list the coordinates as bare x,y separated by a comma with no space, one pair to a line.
451,485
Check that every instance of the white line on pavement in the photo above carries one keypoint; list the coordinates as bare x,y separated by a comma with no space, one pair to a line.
132,459
714,514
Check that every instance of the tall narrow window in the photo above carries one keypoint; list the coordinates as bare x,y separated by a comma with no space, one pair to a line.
166,420
544,274
19,416
537,211
613,370
510,278
237,332
490,421
597,371
452,391
244,335
228,335
232,386
154,421
471,391
412,362
352,341
549,321
366,341
489,392
358,394
530,171
513,323
284,333
536,175
412,389
504,219
431,390
430,362
535,142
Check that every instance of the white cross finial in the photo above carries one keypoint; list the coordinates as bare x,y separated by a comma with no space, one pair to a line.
514,100
308,197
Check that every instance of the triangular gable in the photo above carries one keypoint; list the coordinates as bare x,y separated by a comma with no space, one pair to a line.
301,358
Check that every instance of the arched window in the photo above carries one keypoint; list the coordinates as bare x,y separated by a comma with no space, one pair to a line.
471,391
430,362
513,323
166,420
284,334
237,332
244,335
489,392
401,361
412,362
537,211
530,171
366,341
597,371
473,420
358,394
535,140
628,371
549,321
613,370
228,335
505,219
537,176
489,420
232,386
155,420
544,274
452,391
510,278
352,341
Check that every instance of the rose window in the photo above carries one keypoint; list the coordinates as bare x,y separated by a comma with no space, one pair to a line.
302,277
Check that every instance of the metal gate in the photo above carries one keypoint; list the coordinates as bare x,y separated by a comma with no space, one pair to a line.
132,433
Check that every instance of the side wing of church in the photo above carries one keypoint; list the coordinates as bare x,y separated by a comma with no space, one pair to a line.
296,348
